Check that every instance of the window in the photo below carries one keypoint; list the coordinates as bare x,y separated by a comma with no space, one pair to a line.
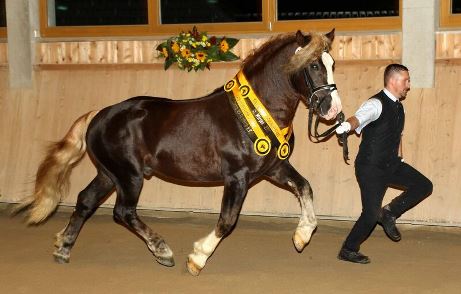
210,11
456,6
450,13
297,10
350,15
100,12
68,18
2,19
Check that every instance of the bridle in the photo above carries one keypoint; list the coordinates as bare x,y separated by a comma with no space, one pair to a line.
313,103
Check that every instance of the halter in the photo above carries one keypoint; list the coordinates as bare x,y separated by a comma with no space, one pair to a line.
314,105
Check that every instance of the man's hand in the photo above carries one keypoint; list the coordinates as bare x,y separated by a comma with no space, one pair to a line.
344,127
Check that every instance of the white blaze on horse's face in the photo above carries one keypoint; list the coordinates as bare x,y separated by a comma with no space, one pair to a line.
336,101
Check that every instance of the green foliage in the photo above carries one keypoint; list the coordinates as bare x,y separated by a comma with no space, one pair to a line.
195,50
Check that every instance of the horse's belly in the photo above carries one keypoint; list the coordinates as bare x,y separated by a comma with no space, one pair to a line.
188,164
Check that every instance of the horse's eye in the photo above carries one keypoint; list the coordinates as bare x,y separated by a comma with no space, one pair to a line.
314,66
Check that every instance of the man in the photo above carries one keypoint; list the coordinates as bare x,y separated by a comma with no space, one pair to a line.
377,165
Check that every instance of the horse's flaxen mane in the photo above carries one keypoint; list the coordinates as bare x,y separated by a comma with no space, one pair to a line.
312,51
317,44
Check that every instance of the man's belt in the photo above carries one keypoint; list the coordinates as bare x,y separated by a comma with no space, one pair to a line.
256,119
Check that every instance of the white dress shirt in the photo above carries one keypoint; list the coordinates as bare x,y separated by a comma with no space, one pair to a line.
370,111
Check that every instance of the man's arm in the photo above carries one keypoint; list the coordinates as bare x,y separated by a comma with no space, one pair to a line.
369,111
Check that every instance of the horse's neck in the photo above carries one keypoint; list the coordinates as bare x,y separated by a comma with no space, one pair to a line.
278,98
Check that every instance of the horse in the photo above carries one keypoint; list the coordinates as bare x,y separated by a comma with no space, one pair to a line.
198,141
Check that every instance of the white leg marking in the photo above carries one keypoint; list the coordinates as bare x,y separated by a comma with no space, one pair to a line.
307,221
204,248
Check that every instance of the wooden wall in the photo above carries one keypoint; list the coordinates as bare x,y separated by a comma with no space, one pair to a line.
31,118
361,47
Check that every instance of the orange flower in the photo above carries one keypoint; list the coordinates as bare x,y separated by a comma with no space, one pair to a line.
185,52
224,46
175,47
165,52
201,56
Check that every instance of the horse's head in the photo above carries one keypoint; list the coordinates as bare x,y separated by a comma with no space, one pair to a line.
311,67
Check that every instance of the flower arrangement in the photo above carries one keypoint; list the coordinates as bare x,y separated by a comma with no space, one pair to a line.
195,50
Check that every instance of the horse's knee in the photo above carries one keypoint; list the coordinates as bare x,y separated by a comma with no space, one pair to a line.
83,209
122,215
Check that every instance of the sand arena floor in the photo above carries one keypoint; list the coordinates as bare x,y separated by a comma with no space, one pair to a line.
258,257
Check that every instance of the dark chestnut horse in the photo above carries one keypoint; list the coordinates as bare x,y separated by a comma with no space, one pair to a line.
198,141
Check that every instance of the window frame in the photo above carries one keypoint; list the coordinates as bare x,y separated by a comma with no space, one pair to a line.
3,30
269,24
447,19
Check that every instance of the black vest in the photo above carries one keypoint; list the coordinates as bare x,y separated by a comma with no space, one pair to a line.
381,138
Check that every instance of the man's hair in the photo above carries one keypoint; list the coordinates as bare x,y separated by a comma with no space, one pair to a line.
392,69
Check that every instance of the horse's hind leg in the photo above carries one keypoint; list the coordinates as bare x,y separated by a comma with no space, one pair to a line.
235,190
128,190
287,177
88,201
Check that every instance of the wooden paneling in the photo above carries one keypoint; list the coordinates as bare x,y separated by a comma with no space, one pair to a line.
30,119
448,45
358,47
345,47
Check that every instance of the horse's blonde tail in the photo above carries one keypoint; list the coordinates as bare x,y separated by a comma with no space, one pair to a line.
52,179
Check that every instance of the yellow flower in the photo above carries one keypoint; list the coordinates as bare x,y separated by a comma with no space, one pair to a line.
204,38
201,56
175,47
185,52
224,46
165,52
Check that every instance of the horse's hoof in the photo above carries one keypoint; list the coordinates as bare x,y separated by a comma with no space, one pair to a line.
193,268
60,258
299,243
166,261
163,254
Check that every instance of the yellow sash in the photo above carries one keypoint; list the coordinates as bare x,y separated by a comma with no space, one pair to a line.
258,118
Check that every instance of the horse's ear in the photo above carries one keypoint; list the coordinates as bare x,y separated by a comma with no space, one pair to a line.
331,35
300,38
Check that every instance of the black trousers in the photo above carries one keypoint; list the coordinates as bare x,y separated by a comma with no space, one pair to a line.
373,182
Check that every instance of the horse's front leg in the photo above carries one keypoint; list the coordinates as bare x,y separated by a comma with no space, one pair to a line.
287,177
235,190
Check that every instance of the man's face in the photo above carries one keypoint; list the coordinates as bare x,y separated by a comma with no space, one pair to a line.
400,83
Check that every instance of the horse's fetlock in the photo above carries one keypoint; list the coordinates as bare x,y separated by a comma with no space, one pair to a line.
225,228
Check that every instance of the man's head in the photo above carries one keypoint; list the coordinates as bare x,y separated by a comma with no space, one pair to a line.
397,80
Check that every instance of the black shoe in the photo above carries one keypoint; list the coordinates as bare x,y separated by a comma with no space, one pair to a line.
352,256
387,220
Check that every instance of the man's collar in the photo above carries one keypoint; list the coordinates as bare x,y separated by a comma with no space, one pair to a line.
389,94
